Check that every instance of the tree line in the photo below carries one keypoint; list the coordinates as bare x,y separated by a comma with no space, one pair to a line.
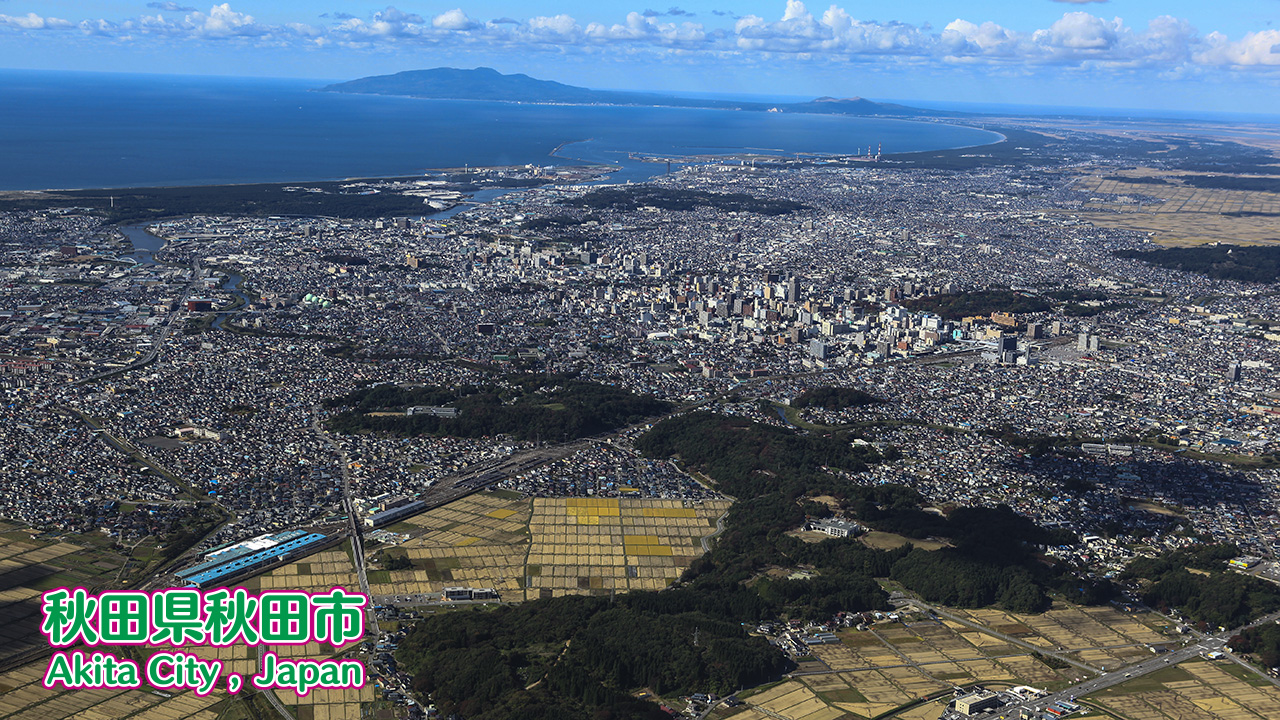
529,407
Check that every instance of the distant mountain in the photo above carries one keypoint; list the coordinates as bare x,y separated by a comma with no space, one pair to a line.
489,84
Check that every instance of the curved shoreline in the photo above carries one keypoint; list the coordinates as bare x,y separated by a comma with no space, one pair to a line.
562,152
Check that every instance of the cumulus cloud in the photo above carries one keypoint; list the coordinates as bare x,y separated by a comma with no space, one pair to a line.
395,15
223,22
1080,31
1255,49
32,21
1078,39
646,30
799,31
454,20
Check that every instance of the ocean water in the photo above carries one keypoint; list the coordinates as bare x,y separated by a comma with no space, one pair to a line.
104,130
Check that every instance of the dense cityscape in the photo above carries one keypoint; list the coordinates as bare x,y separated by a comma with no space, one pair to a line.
966,334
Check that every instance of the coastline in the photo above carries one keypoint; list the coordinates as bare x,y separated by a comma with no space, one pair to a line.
555,153
419,138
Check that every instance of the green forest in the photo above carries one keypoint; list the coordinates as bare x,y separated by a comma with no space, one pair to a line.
529,407
1246,263
981,302
577,657
1263,642
834,398
631,198
582,657
1212,597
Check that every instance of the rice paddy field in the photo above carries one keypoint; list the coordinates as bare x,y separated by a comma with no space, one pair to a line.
1185,215
548,547
1102,637
524,548
874,672
1193,690
23,696
29,566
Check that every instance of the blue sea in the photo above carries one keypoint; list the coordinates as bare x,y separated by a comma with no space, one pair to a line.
103,130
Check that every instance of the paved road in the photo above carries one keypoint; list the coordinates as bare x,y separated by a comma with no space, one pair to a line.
1203,644
706,541
861,668
156,346
354,531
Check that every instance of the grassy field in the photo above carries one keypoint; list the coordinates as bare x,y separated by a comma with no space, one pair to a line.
889,541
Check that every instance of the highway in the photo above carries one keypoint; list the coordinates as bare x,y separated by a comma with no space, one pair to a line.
1203,644
1007,638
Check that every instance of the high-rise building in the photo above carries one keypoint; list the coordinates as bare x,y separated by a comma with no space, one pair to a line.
793,289
1233,372
1035,331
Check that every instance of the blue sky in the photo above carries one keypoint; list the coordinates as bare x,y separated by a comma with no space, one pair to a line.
1156,54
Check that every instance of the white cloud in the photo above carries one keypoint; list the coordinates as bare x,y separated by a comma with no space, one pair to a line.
1076,40
1255,49
646,28
1080,31
397,16
555,29
223,22
799,31
961,37
32,21
454,20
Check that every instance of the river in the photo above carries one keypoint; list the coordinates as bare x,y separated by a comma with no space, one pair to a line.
146,245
